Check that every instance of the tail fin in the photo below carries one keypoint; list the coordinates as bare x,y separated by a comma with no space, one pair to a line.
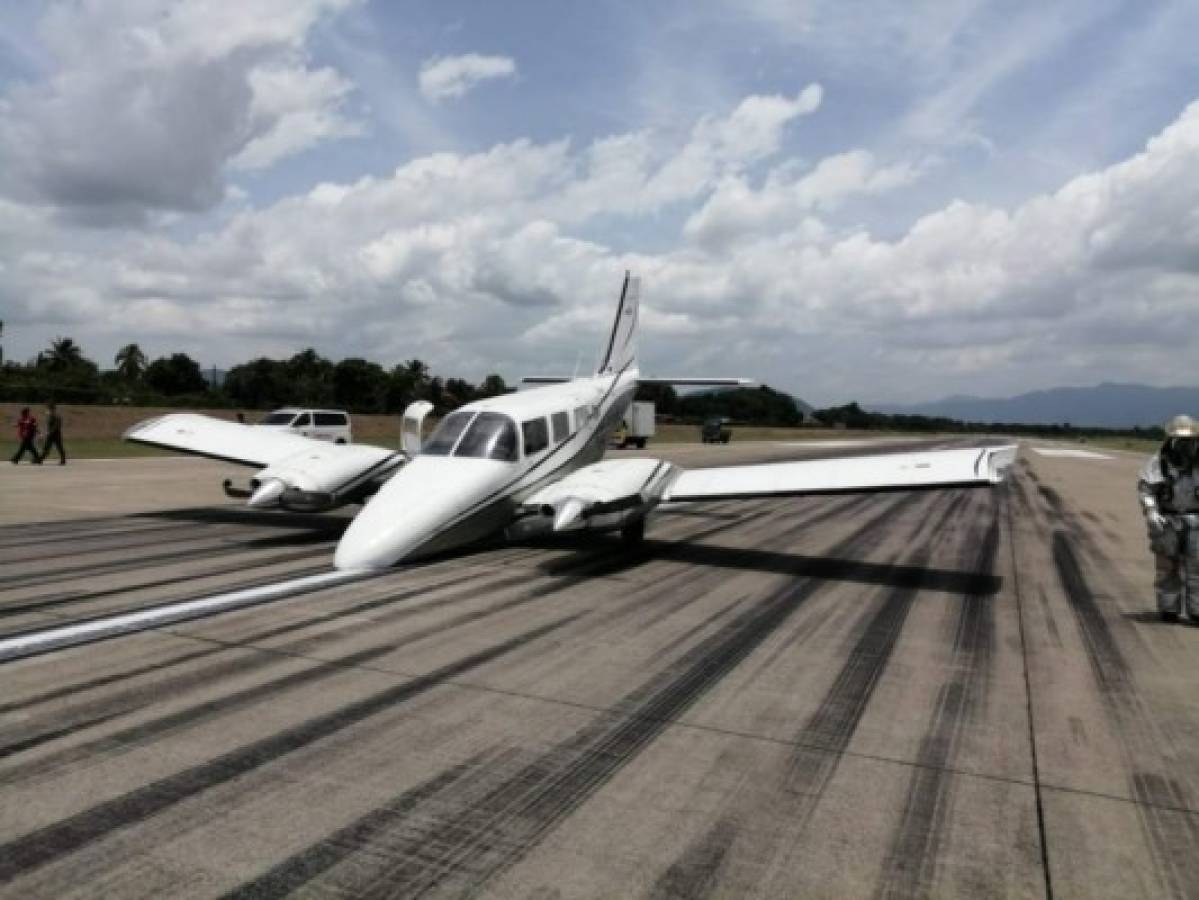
621,350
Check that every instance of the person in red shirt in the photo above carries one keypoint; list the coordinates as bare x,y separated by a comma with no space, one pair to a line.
26,434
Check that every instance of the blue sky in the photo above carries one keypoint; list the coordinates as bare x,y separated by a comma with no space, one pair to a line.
864,200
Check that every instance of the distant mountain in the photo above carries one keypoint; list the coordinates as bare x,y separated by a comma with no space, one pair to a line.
1103,406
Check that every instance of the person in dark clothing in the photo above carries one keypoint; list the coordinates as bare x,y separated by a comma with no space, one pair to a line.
26,435
54,435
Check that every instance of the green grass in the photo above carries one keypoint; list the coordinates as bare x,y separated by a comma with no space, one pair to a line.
90,448
1134,445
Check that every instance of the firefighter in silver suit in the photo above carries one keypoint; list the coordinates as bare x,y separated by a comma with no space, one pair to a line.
1169,492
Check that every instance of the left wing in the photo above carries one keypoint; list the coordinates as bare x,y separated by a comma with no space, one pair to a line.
613,492
958,467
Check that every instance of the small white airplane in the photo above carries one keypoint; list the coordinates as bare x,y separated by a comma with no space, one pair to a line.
527,463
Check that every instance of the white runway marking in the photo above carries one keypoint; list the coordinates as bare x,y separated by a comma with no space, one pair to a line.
1070,453
33,643
825,444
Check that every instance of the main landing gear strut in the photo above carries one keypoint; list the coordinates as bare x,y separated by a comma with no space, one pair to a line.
633,533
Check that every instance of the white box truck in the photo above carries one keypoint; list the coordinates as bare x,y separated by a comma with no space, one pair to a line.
637,427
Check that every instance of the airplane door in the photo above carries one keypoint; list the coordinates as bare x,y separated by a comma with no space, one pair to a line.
410,427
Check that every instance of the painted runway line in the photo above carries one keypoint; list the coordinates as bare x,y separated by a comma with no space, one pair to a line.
1069,453
49,639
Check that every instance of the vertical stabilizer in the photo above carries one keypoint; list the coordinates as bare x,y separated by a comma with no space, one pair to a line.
621,349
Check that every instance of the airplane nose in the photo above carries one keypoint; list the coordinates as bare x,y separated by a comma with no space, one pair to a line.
378,538
416,505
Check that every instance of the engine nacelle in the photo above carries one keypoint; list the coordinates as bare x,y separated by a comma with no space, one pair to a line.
321,478
603,496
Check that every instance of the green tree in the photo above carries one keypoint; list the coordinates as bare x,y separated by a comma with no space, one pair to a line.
64,354
175,375
663,397
311,378
459,391
407,382
493,386
259,383
359,384
130,362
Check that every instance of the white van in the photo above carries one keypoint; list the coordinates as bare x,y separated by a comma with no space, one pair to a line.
322,424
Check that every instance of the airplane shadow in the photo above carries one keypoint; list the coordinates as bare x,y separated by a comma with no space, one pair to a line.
1152,617
826,568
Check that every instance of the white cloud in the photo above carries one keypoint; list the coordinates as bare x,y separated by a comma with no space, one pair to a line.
293,108
735,211
452,76
149,101
479,261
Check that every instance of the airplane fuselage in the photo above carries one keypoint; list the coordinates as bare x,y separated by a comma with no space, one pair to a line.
484,459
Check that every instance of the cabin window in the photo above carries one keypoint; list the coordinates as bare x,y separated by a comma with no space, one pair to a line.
580,417
536,435
442,441
302,421
561,423
490,436
329,419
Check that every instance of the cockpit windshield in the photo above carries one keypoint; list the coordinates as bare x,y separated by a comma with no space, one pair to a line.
442,441
490,436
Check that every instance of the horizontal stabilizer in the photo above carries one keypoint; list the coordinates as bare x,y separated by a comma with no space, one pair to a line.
699,382
959,467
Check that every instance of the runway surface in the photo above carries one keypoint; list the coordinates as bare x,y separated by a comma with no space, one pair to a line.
956,693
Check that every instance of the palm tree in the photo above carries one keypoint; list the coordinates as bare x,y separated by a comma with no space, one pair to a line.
64,353
131,362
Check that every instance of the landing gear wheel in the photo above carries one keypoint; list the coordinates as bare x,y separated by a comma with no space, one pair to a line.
633,533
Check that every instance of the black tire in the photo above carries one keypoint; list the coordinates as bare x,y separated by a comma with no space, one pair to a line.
633,533
340,441
640,443
724,441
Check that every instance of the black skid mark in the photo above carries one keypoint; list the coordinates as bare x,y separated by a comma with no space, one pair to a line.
1172,834
53,842
827,733
470,839
696,872
911,864
283,879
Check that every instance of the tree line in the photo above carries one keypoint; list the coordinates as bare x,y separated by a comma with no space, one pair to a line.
62,372
851,415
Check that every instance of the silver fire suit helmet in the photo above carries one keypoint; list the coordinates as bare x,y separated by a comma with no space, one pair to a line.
1182,427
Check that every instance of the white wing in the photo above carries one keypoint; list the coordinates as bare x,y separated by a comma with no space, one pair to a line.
296,472
218,439
959,467
614,492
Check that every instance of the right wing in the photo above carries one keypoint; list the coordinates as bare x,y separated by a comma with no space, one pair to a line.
296,472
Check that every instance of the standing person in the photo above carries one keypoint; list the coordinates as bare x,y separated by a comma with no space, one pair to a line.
1167,489
26,435
54,434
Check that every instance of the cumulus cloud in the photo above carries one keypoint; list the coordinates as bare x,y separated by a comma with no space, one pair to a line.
495,260
450,77
736,211
149,101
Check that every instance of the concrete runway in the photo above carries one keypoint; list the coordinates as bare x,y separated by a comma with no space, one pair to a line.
956,693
